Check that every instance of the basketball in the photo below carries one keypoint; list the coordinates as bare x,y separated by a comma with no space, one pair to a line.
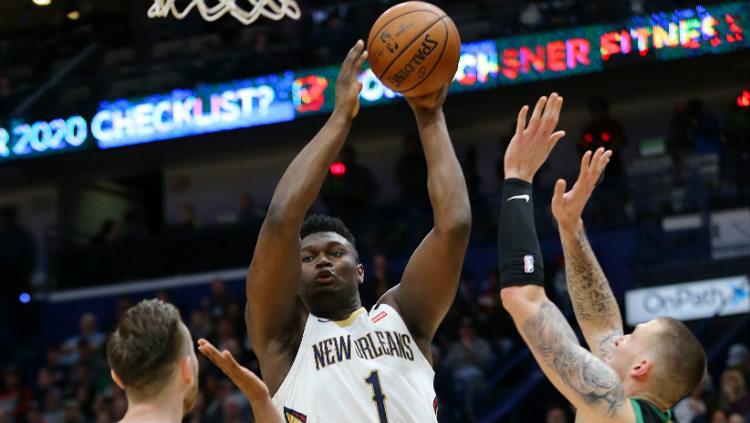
414,48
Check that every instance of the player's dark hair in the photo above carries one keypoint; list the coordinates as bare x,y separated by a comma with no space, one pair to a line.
682,361
319,223
145,347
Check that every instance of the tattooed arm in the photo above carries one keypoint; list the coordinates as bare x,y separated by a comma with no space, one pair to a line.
593,302
586,381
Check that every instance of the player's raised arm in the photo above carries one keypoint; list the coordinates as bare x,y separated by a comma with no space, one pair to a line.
586,381
593,302
430,280
273,313
246,381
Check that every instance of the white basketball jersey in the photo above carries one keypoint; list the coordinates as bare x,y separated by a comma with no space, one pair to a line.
366,369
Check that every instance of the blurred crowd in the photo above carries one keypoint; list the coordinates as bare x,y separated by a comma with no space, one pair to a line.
396,224
131,55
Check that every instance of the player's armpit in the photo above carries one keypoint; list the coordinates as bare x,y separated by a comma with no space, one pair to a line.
586,381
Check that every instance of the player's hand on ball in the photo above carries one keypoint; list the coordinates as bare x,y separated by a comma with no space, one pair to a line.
251,386
429,102
348,86
532,143
568,206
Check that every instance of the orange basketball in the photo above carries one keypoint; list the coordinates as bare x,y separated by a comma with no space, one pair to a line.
413,48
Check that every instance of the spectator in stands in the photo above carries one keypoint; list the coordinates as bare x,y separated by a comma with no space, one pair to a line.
134,228
72,412
109,232
378,280
16,256
703,128
694,405
123,304
350,196
88,335
249,212
693,131
470,357
470,166
4,85
56,367
14,396
188,219
738,358
34,414
736,157
234,410
556,414
559,285
53,411
736,418
488,303
411,172
604,131
225,333
333,36
200,324
44,383
733,393
218,301
531,16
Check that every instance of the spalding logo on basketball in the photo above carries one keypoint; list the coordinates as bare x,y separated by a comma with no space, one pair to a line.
414,48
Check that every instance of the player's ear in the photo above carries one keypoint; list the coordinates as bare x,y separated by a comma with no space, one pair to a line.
117,379
360,273
641,369
186,370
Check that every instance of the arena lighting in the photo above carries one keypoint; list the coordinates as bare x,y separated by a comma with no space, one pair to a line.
42,2
74,15
24,298
338,169
743,100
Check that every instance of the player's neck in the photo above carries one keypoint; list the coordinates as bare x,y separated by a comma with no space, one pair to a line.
166,408
341,314
650,398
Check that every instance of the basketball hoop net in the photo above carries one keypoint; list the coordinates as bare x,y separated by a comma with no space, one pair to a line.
271,9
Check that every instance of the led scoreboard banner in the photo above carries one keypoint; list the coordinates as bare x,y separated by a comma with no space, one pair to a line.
211,108
291,95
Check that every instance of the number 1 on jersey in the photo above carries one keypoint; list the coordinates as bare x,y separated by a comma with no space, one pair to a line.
377,395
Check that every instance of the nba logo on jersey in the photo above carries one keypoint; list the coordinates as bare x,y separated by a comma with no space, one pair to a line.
380,316
528,264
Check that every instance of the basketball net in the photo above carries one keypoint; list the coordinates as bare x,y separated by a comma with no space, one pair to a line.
271,9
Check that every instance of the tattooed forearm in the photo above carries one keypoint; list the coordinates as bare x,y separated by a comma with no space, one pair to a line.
552,339
588,287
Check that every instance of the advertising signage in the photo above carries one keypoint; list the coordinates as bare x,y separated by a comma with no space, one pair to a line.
291,95
240,104
689,301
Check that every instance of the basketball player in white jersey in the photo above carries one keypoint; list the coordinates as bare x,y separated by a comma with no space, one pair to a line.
323,356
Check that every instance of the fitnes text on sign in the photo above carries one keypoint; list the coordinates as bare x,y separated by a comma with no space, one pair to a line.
688,301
